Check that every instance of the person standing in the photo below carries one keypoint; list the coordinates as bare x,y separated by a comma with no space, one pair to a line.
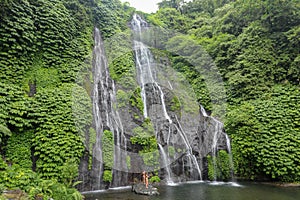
146,180
144,177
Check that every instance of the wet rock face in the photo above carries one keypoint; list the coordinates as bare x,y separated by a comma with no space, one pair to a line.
184,132
210,135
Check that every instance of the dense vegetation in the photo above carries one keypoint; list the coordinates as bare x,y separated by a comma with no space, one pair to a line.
45,107
255,46
45,84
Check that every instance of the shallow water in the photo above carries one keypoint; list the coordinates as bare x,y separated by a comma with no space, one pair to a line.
206,191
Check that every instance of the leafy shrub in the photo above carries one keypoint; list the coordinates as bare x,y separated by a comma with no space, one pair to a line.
219,166
264,135
108,149
154,179
136,100
145,137
15,177
107,176
18,149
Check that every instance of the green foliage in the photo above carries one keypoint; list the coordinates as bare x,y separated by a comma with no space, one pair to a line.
169,18
108,149
154,179
3,164
171,151
122,98
122,67
111,17
40,76
58,146
195,79
107,176
175,106
4,132
46,45
18,149
15,177
128,161
81,109
219,167
121,60
16,50
92,141
46,48
52,189
14,109
61,116
145,137
69,172
42,34
136,100
150,158
255,46
1,189
265,136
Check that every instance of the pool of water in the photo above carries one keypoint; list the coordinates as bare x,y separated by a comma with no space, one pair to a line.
205,191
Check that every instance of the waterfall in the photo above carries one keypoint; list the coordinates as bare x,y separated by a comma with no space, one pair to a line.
190,155
105,118
120,146
144,60
146,68
231,165
216,128
145,65
166,164
185,137
97,170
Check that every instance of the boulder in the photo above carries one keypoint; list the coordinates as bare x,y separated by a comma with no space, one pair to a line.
140,188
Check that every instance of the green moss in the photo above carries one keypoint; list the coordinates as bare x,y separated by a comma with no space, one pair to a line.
175,106
108,149
179,150
145,137
150,158
171,151
107,176
128,162
211,168
122,98
136,100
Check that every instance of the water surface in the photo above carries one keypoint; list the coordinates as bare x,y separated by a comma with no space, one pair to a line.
206,191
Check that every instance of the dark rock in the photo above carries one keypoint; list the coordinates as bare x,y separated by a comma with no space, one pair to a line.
140,188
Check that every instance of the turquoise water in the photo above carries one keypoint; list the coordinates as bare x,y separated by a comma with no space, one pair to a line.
206,191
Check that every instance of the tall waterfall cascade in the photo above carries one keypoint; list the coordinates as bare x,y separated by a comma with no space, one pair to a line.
185,136
105,118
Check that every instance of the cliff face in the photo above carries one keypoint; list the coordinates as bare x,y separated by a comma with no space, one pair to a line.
158,128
